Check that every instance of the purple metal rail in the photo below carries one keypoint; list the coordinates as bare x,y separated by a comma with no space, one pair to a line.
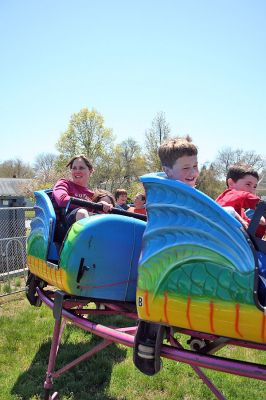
233,342
125,336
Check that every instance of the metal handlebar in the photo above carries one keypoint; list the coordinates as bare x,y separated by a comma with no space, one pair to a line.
99,207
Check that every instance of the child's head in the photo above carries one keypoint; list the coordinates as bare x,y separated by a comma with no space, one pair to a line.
103,195
140,200
121,196
179,160
242,177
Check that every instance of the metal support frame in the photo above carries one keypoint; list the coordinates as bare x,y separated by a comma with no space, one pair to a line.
63,311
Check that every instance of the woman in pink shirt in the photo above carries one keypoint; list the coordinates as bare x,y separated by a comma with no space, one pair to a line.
81,169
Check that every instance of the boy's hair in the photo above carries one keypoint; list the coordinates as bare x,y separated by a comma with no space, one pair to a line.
84,158
239,171
100,193
174,148
118,192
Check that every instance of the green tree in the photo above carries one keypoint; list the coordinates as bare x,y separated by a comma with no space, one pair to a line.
208,181
121,168
133,163
158,132
86,134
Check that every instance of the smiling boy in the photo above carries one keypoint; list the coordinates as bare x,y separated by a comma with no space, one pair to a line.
179,159
121,199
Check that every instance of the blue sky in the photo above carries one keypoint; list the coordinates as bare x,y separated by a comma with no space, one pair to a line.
203,63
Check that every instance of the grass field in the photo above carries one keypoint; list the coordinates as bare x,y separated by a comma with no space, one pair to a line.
25,339
11,285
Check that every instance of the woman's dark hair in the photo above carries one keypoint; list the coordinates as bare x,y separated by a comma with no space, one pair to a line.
84,158
100,193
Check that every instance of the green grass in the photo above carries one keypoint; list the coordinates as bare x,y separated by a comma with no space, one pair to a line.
29,214
12,284
25,341
6,288
17,282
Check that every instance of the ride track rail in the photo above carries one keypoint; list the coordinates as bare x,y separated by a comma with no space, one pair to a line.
63,311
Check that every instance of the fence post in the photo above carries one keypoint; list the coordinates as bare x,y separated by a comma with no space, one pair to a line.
13,239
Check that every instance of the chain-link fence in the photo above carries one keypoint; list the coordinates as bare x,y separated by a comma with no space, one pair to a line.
14,228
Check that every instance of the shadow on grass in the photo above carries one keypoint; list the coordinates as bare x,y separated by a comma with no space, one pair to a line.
88,380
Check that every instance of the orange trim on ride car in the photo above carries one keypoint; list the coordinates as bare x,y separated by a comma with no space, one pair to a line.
212,317
146,302
188,312
165,307
237,307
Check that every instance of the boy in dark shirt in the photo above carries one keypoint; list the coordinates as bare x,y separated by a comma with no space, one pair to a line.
121,199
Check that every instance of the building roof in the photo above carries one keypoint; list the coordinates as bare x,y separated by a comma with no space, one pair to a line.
12,186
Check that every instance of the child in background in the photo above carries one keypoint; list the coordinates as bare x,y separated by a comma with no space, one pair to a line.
103,195
121,199
139,204
242,182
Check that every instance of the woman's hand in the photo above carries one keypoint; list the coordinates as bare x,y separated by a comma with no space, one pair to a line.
106,206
